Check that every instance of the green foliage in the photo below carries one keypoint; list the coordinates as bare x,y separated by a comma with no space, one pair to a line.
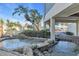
1,21
42,33
31,15
10,24
69,33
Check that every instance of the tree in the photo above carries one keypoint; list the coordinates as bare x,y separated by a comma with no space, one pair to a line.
18,24
9,28
13,27
36,18
1,27
30,15
20,10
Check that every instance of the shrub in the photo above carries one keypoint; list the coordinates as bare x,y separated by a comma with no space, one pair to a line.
45,33
69,33
42,33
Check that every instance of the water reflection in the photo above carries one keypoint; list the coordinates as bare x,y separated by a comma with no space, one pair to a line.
64,48
13,44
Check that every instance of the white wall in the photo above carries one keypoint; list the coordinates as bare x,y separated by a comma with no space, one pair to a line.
72,28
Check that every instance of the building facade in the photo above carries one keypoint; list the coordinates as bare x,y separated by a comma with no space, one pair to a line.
61,12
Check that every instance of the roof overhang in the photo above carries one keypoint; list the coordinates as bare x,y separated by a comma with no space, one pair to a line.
67,19
73,9
56,9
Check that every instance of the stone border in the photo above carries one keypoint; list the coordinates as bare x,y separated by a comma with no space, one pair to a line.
12,52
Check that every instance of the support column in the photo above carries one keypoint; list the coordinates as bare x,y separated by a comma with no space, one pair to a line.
77,28
52,29
44,25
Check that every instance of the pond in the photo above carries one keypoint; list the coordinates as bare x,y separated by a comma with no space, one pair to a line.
13,44
64,48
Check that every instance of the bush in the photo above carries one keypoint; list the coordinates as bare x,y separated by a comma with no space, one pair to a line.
45,33
69,33
42,33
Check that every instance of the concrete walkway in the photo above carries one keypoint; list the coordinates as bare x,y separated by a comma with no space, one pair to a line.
4,52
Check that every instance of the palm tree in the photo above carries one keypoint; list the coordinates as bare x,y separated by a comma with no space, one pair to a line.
30,15
36,18
18,26
9,24
1,27
13,27
10,28
22,11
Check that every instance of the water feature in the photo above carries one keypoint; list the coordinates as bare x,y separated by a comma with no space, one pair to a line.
13,44
17,43
64,48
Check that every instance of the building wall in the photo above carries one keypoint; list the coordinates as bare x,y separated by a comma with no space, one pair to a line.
48,6
72,28
56,9
61,27
64,27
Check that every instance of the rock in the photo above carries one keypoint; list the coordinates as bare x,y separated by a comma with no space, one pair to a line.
20,50
50,50
33,46
77,54
38,53
50,41
42,44
46,53
27,51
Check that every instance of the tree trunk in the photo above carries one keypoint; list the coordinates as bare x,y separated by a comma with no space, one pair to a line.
37,28
1,30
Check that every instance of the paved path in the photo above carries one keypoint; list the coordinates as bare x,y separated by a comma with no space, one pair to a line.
5,52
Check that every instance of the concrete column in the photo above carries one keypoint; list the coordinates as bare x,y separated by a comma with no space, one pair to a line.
52,29
44,25
77,28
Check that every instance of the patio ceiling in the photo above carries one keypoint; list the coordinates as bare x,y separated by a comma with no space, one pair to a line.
57,8
75,15
67,19
70,19
70,14
71,10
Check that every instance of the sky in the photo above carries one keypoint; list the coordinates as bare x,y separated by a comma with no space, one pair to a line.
6,10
